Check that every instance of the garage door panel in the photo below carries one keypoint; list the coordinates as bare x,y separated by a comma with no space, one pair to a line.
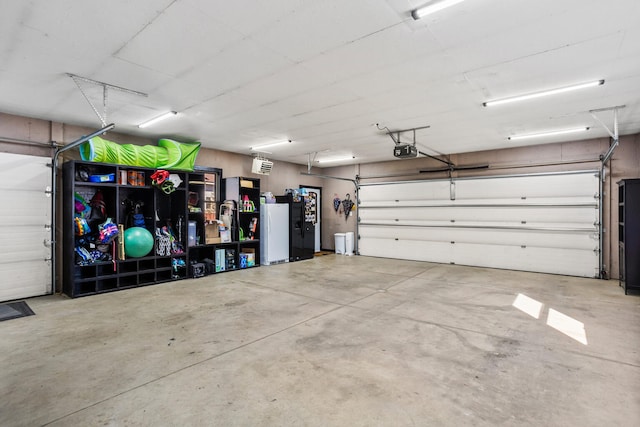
446,200
25,209
412,190
30,202
414,250
24,280
532,186
570,215
524,225
571,262
23,173
509,238
554,218
25,243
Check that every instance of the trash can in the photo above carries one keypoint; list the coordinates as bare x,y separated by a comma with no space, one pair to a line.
340,243
348,243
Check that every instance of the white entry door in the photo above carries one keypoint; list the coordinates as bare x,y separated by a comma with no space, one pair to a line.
544,223
25,226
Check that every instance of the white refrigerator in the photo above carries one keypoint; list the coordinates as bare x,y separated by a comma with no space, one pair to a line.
274,233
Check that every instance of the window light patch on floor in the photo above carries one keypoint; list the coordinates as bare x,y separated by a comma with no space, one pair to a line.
567,325
530,306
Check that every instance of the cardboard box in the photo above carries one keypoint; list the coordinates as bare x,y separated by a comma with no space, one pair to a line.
212,234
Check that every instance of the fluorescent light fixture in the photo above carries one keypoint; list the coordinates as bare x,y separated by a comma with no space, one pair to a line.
157,119
337,159
551,133
433,7
271,144
543,93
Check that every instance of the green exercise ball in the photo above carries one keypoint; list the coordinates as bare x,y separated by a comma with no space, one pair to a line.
138,242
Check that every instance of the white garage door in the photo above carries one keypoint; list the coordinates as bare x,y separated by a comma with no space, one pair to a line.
544,223
25,226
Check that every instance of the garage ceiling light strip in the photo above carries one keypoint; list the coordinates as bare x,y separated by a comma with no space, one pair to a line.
433,7
158,119
543,134
271,144
540,94
337,159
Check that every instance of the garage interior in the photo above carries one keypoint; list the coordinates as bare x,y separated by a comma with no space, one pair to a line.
490,244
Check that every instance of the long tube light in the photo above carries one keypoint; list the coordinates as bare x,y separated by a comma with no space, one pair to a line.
157,119
543,134
272,144
337,159
433,7
543,93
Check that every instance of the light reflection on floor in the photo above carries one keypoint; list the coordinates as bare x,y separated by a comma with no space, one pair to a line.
530,306
560,322
567,325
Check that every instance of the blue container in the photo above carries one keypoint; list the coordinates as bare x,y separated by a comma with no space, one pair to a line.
110,177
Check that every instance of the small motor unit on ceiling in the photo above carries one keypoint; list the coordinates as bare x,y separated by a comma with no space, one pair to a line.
405,151
261,166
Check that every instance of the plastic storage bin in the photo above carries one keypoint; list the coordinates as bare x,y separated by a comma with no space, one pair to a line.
340,243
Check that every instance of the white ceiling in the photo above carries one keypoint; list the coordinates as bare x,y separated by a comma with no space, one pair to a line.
324,74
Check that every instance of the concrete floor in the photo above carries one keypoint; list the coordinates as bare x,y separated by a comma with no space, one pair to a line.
333,341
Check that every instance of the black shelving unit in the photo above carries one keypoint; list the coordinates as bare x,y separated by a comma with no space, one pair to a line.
123,191
629,234
196,200
245,193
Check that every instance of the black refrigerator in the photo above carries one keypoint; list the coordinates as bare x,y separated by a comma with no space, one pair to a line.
301,232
